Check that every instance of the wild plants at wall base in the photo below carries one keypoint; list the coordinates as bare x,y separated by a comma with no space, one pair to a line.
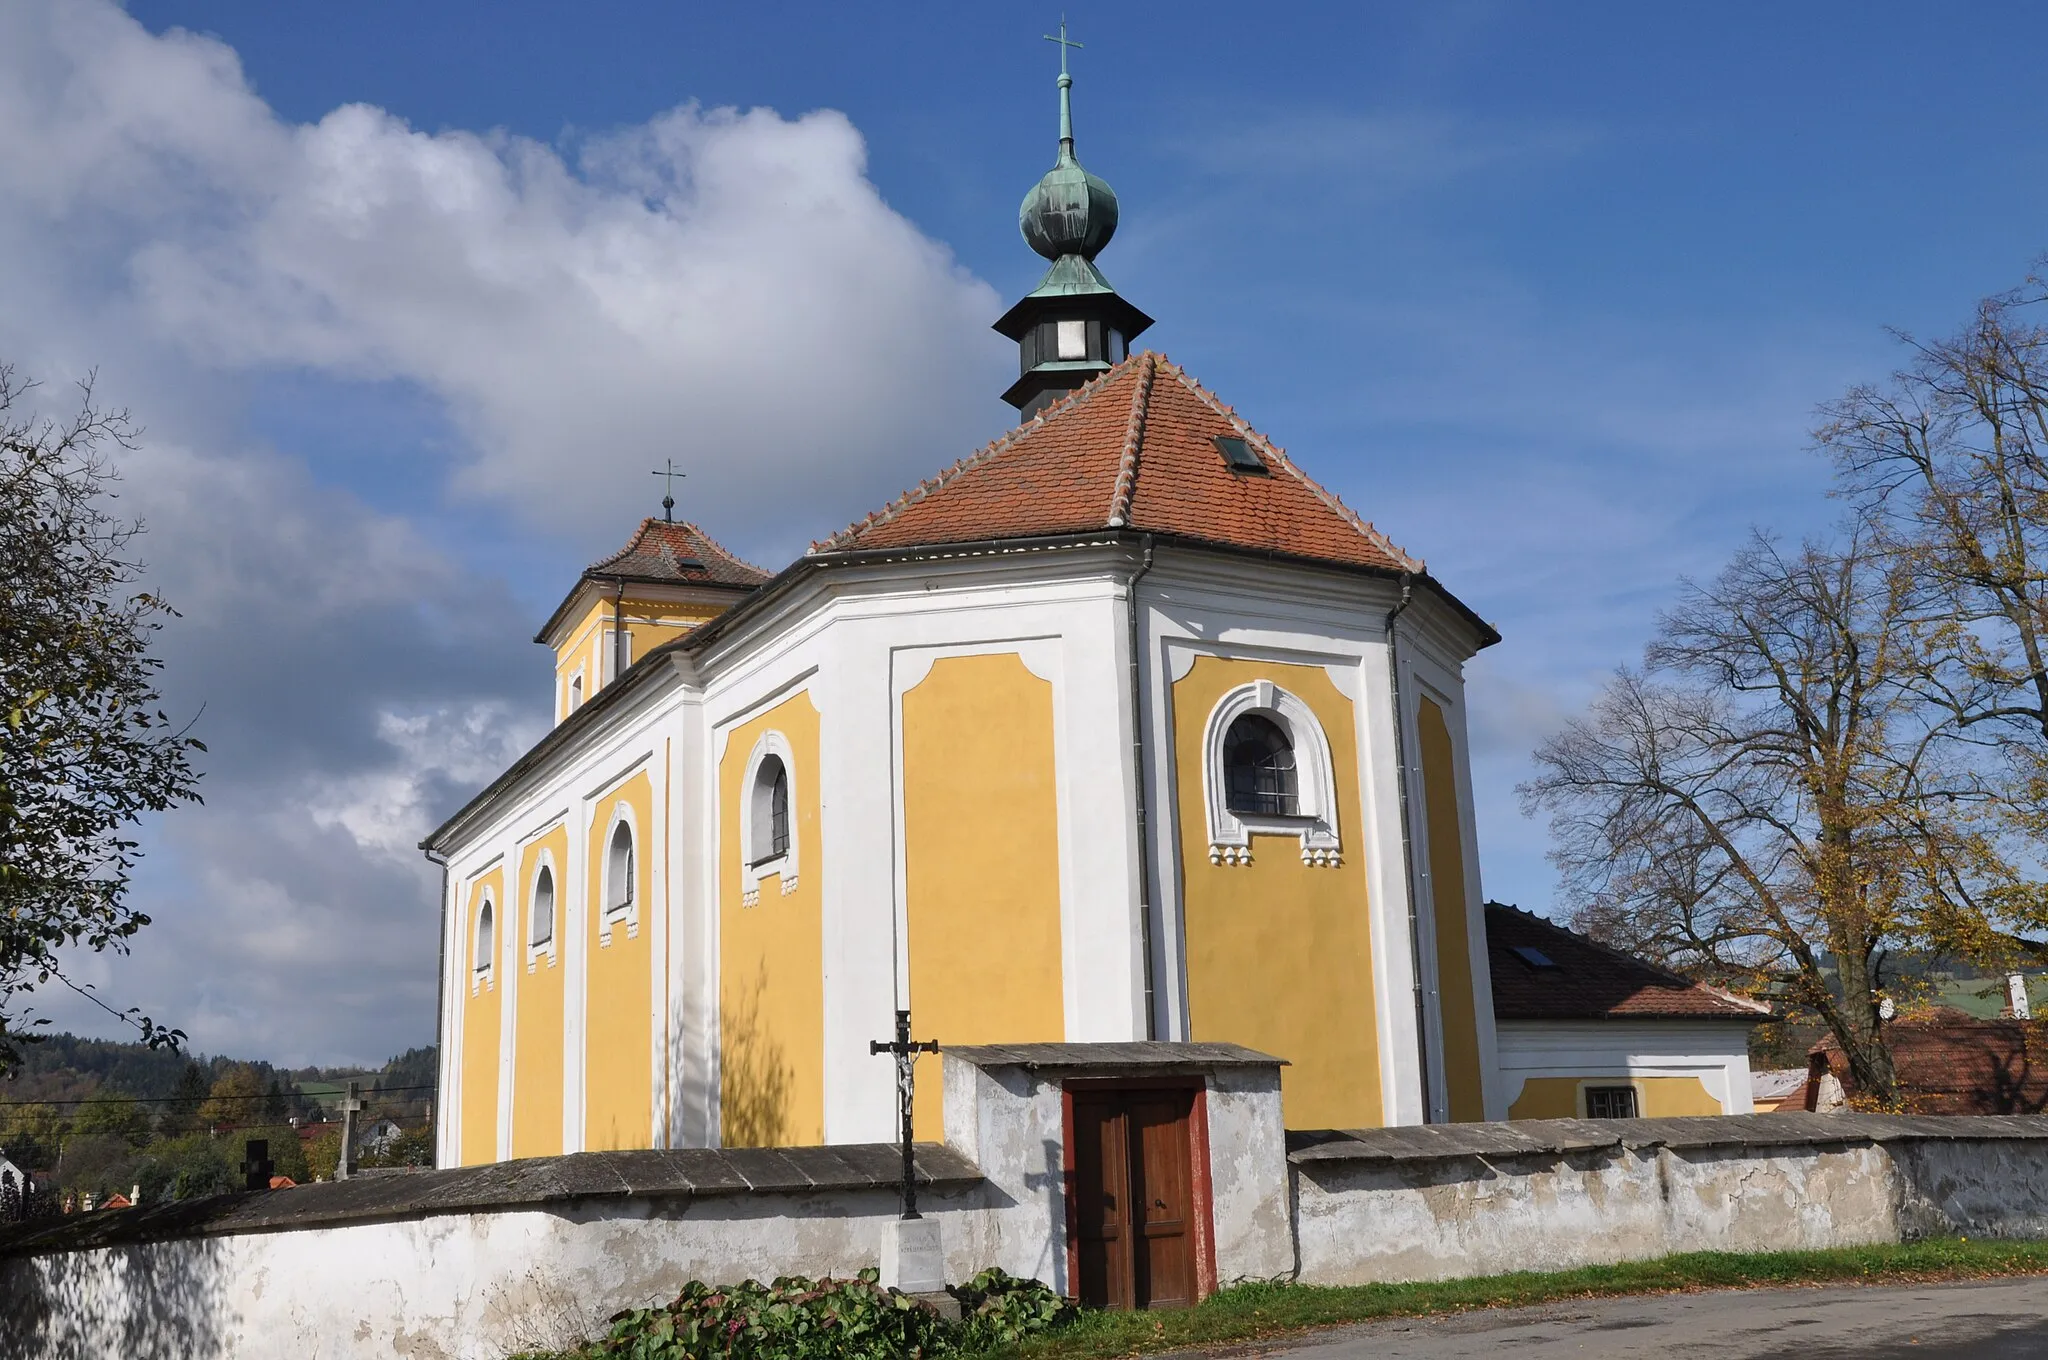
857,1319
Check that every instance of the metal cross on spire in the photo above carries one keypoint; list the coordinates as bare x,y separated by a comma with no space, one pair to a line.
668,500
1066,82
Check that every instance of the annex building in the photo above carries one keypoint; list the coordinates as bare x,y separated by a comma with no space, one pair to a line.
1119,728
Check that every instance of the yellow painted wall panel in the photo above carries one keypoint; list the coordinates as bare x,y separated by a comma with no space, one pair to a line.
1452,915
1657,1097
771,989
1279,954
481,1026
981,861
619,1008
538,1009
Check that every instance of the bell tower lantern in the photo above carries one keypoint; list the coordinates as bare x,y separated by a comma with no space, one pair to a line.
1074,325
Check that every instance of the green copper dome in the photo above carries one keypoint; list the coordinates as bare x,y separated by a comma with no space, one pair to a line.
1069,212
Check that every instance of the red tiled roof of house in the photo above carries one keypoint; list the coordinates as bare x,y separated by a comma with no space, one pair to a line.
1589,981
677,552
1133,449
1950,1062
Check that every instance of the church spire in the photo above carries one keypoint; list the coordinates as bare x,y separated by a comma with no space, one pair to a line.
1074,325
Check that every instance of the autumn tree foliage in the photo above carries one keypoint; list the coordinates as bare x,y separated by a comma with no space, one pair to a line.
85,748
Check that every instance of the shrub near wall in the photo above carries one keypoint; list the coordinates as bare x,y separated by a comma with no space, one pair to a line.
799,1319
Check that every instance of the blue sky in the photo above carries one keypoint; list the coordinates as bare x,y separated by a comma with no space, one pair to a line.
1549,293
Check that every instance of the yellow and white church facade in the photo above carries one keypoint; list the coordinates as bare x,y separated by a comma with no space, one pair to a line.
1120,728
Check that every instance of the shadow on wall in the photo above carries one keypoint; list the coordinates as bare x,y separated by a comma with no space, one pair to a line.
755,1078
162,1301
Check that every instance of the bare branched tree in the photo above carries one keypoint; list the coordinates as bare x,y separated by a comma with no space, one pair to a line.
85,751
1949,460
1771,800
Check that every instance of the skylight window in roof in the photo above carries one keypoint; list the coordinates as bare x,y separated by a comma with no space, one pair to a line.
1533,956
1238,454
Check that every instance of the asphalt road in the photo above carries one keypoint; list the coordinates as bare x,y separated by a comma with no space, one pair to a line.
1996,1320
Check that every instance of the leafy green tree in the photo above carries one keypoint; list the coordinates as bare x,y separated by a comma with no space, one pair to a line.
181,1112
114,1116
85,751
237,1098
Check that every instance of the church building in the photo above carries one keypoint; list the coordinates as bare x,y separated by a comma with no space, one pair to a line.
1121,727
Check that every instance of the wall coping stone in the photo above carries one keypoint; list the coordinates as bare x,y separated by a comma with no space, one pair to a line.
1436,1142
527,1183
1141,1056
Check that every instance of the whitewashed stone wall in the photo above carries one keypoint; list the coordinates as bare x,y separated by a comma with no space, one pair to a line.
476,1264
1443,1203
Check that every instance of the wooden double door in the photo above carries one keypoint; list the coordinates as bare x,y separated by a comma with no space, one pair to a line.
1134,1198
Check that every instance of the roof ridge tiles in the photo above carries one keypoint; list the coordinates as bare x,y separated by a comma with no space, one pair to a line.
1134,439
984,454
1400,555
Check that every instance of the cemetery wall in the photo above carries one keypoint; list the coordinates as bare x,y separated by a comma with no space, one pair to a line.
478,1263
1479,1199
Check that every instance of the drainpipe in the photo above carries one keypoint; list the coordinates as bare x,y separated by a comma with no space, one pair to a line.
441,1025
618,630
1408,839
1138,789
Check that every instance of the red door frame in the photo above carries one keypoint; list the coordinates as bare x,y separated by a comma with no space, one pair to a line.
1199,1188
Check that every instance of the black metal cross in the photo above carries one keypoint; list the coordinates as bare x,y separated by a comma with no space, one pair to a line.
668,499
906,1050
256,1167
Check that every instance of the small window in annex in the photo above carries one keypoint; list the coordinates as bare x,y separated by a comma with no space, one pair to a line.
575,694
1610,1102
543,907
770,811
486,938
618,876
1258,768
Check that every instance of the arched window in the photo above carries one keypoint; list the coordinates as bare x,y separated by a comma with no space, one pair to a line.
1258,768
618,875
769,837
1267,769
543,907
576,693
770,812
486,938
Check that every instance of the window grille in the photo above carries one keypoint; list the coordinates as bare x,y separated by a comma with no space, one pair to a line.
620,876
778,805
543,907
1258,769
770,832
1610,1102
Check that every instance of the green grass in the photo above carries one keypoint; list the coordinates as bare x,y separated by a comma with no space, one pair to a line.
1253,1311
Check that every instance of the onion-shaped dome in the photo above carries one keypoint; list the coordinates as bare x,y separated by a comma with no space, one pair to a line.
1069,212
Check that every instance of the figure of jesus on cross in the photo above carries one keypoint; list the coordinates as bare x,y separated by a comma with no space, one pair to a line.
905,1050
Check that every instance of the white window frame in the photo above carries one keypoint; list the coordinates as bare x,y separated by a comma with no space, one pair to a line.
575,694
551,946
770,743
1315,823
609,915
484,961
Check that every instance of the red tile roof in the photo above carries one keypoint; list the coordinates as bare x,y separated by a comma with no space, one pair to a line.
678,553
1591,981
1133,449
1951,1062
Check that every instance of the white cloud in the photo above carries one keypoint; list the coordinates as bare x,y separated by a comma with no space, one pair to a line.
725,288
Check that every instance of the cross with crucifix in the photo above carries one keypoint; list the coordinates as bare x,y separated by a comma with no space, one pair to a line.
348,1105
906,1050
668,500
256,1166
